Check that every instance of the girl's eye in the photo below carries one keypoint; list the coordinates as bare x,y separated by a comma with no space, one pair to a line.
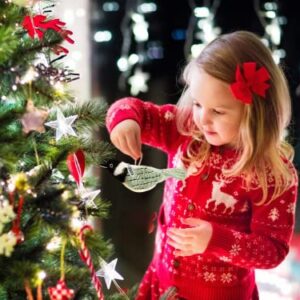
218,112
197,104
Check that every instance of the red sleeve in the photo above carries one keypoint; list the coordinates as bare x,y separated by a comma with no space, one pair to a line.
267,243
157,122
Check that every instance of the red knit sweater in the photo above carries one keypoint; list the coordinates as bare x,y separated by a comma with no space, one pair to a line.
245,236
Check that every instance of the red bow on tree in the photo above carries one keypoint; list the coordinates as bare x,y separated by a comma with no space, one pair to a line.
37,25
251,81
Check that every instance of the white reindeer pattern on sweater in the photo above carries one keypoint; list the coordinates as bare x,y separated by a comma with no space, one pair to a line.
218,197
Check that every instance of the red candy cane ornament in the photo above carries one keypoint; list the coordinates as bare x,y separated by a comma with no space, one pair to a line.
86,258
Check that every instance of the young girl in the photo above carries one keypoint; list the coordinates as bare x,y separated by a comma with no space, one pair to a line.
235,211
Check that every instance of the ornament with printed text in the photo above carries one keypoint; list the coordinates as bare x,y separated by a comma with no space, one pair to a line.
76,165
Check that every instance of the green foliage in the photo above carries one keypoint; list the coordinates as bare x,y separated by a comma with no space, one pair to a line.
51,199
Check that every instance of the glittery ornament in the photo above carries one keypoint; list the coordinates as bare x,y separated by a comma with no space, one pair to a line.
138,178
34,118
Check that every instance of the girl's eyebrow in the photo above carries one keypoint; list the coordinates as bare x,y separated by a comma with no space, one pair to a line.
219,106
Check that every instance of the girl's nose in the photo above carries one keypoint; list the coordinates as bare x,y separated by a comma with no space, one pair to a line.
205,117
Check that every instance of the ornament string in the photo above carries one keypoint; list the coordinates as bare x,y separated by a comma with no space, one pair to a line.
62,260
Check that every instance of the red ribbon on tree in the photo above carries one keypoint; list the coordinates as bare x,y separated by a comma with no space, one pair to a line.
250,82
16,228
76,165
38,25
86,258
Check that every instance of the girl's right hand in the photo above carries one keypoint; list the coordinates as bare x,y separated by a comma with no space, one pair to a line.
126,136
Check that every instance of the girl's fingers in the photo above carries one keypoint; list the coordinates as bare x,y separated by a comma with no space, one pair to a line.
178,246
192,222
132,145
180,232
138,143
124,147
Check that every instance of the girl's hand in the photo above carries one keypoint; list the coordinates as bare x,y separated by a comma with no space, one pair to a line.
189,241
126,136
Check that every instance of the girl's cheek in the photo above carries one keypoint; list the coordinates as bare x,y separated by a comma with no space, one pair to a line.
196,118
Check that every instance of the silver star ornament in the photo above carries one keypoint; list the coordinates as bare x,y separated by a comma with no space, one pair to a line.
88,197
108,272
62,125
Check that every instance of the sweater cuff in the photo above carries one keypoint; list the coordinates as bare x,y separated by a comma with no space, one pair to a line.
124,109
221,240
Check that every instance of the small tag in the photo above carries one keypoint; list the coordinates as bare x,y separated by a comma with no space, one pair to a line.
130,170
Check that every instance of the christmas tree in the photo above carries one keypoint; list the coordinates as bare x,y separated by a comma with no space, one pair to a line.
47,250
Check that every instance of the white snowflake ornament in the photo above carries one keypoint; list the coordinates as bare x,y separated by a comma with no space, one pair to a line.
7,243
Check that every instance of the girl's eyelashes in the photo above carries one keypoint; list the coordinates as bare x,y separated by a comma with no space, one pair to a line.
198,105
218,112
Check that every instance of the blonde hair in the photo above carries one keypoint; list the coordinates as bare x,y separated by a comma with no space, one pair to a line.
261,140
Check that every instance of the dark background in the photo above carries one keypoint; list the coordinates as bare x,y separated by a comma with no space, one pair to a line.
131,213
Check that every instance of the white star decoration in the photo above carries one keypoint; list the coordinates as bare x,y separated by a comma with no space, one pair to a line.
108,272
88,197
62,125
138,82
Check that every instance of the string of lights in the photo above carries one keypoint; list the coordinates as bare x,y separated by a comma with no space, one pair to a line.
267,12
201,29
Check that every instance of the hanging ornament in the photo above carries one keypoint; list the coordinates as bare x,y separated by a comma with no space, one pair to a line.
88,197
7,243
76,165
86,258
34,118
138,178
6,214
108,272
54,75
38,25
60,291
7,240
19,182
62,125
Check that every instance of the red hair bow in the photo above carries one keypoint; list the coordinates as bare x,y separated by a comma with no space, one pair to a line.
251,81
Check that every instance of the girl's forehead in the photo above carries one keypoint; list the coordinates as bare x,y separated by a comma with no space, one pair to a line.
207,89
